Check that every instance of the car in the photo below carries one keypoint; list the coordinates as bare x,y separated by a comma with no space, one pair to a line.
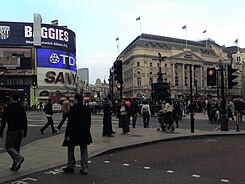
57,107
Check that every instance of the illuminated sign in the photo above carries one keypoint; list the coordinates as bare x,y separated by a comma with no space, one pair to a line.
56,59
21,34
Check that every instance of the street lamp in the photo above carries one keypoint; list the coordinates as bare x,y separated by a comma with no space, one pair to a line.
189,56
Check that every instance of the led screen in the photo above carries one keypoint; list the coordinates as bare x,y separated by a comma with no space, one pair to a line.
15,58
50,58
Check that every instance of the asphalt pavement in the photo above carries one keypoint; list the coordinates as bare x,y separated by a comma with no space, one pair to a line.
47,153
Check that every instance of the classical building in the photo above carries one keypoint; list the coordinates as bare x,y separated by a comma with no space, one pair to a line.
141,65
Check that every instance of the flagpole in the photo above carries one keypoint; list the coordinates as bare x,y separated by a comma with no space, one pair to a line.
118,49
140,26
186,37
140,23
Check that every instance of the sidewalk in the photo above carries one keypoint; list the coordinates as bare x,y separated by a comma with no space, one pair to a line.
48,153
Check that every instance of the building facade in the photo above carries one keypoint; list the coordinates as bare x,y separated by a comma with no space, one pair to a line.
141,65
37,72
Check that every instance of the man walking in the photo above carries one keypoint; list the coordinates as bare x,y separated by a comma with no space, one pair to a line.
65,109
14,116
48,109
78,134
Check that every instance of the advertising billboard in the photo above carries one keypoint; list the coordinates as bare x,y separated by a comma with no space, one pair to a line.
12,58
17,33
56,77
50,58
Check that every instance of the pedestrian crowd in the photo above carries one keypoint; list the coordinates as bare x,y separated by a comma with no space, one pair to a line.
78,116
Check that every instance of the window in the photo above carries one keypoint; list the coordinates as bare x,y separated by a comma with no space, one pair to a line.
150,64
138,63
166,65
150,73
138,72
138,81
150,81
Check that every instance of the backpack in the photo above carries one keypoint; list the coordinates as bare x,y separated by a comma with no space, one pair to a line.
145,111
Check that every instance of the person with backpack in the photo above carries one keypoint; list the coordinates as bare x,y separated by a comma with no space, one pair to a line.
48,109
146,113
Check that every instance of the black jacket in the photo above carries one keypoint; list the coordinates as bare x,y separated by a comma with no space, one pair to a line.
15,116
78,125
48,109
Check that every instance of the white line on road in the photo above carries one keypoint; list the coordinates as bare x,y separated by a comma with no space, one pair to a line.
196,176
224,180
170,172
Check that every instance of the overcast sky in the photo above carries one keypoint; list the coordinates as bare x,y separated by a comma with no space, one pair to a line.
97,23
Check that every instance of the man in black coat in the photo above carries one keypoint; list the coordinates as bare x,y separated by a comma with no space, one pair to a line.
107,122
14,116
78,134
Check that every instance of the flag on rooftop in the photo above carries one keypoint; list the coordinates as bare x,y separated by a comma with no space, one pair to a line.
184,27
138,18
236,41
117,38
204,31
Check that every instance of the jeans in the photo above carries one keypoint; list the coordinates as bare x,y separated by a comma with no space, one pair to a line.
50,122
13,142
64,117
84,158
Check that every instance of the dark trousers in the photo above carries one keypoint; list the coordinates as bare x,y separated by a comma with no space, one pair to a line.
125,123
13,142
50,122
146,119
64,117
134,119
72,160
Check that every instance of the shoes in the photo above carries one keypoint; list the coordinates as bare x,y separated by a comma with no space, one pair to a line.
57,130
41,132
128,133
110,136
113,132
68,170
83,172
16,165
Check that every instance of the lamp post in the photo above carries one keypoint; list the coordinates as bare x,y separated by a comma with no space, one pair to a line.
189,56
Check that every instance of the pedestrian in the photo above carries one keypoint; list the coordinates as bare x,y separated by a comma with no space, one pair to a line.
65,110
78,134
146,113
176,112
14,116
107,123
134,112
124,117
169,114
48,109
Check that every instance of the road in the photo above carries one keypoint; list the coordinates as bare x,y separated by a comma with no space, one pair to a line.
197,161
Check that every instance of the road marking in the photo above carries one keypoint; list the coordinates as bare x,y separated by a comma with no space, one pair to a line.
170,172
126,165
1,148
106,161
54,172
196,176
224,180
147,168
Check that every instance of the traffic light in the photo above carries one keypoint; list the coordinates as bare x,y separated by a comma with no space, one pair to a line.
211,76
231,77
118,71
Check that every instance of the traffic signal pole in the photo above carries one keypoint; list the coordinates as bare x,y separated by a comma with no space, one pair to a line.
224,123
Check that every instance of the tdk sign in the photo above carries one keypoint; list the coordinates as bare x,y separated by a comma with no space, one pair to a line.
56,59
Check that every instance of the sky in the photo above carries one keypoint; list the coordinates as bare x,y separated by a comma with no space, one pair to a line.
97,24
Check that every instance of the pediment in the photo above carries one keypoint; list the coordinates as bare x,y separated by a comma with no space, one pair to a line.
184,55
